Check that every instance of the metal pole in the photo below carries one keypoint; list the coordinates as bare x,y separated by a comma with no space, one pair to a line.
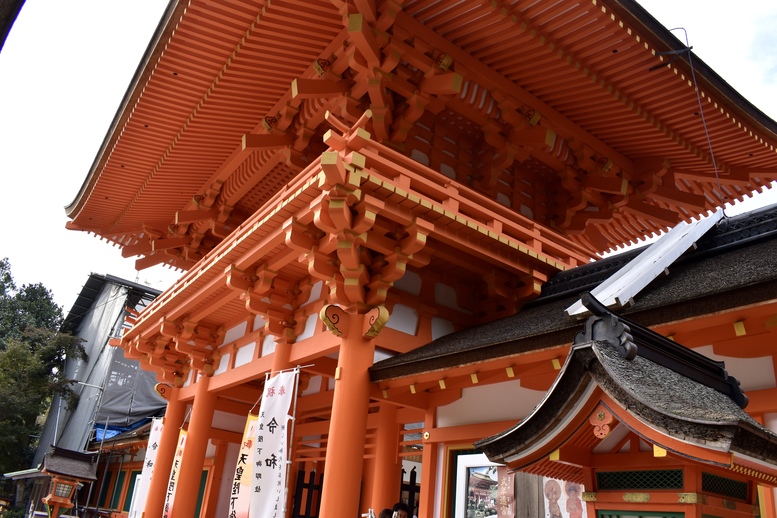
97,465
291,435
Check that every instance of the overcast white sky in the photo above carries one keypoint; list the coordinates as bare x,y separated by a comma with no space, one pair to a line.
65,68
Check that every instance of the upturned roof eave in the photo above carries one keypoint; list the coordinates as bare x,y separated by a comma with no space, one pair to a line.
145,68
703,72
585,382
558,410
631,10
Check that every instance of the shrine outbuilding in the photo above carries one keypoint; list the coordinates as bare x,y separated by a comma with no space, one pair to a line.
401,202
647,425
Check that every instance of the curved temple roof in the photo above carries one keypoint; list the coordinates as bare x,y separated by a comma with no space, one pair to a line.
570,113
661,405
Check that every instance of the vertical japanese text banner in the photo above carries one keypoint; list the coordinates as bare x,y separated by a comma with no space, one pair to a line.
167,512
242,482
505,505
270,455
139,501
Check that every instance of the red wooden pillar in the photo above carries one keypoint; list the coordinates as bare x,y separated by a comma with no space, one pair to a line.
387,466
171,424
194,452
767,496
345,445
429,459
766,501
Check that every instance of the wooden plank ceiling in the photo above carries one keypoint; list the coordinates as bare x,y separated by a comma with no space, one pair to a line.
564,111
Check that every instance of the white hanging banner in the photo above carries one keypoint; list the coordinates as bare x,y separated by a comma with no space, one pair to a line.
141,488
271,455
172,484
242,481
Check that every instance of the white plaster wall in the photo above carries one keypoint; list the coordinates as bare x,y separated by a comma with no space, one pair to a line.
752,373
245,354
441,327
381,354
496,402
420,157
223,364
404,319
315,293
410,282
408,466
210,451
314,386
310,327
445,295
229,422
258,322
268,345
236,332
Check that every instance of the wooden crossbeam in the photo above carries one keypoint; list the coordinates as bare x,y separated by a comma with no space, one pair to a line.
154,245
191,216
736,176
266,140
652,213
443,84
361,34
302,88
675,196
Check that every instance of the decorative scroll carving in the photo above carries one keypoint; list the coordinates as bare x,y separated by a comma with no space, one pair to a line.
334,318
601,418
163,389
374,320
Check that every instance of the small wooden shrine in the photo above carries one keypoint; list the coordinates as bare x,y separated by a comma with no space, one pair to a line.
646,425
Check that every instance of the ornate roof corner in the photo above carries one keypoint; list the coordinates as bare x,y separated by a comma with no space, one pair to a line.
605,326
621,373
631,339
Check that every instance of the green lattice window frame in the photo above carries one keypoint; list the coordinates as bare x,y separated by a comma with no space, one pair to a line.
725,487
640,480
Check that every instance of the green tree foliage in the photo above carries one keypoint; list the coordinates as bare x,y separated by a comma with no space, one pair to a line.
32,356
27,307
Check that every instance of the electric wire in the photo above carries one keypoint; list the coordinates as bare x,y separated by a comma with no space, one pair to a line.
701,114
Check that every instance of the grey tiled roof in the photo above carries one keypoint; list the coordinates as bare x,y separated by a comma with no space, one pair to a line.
71,463
733,265
666,400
